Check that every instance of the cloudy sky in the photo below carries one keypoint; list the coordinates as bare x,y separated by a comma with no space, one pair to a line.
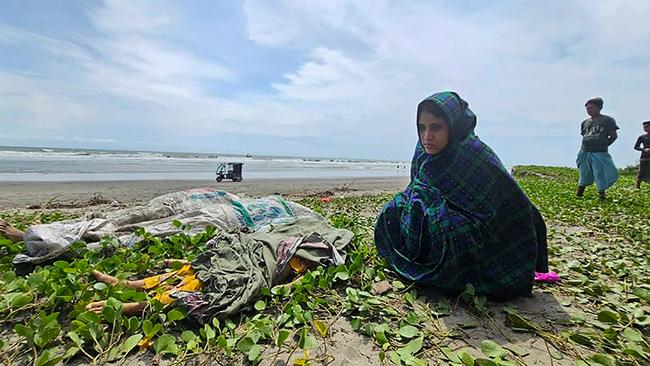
318,78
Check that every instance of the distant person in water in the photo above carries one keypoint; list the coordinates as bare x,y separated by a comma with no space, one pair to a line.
462,219
643,145
594,161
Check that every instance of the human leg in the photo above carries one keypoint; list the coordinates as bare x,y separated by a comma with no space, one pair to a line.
171,262
10,232
128,308
110,280
605,172
644,172
586,172
188,283
145,283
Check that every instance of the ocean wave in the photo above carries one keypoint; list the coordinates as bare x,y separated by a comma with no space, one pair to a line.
52,161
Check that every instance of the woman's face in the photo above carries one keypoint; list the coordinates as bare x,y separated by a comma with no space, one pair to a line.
433,132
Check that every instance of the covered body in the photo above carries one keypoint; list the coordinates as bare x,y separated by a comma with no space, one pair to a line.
196,208
236,266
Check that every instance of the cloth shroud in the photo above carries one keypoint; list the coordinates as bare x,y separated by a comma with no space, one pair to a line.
197,208
236,266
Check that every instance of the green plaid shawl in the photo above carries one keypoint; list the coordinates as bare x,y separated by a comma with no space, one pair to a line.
463,219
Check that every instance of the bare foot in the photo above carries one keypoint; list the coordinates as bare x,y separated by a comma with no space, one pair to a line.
96,307
10,232
129,308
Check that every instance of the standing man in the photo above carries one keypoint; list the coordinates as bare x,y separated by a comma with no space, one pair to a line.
595,164
644,162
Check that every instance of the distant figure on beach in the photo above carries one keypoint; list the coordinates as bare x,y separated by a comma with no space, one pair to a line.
462,219
644,163
594,162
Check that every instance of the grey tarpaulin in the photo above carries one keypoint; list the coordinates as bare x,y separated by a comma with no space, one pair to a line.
197,207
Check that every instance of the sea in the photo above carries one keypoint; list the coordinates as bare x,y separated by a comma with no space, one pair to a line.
45,164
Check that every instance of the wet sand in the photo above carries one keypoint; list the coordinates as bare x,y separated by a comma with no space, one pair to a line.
21,195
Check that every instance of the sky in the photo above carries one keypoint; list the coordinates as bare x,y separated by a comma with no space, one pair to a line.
318,78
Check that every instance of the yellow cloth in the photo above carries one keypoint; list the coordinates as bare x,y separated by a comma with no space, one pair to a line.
298,264
188,283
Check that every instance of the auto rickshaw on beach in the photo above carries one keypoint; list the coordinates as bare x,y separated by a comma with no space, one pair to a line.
229,171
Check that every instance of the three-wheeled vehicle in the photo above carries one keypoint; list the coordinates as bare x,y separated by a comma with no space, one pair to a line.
229,171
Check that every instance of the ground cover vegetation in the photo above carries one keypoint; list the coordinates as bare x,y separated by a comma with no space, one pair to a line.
598,315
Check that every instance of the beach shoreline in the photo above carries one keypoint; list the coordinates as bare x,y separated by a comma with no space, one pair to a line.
24,195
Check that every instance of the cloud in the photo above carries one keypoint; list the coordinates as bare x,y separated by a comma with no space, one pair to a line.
300,24
137,60
95,140
128,17
525,70
38,105
332,77
16,36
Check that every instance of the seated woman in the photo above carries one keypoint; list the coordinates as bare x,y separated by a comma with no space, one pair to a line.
462,219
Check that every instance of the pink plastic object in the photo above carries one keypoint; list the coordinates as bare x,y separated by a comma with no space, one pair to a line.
548,277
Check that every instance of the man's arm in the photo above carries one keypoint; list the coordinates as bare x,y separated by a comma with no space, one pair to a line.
612,137
637,145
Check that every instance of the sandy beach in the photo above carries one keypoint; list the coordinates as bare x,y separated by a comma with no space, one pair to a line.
21,195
